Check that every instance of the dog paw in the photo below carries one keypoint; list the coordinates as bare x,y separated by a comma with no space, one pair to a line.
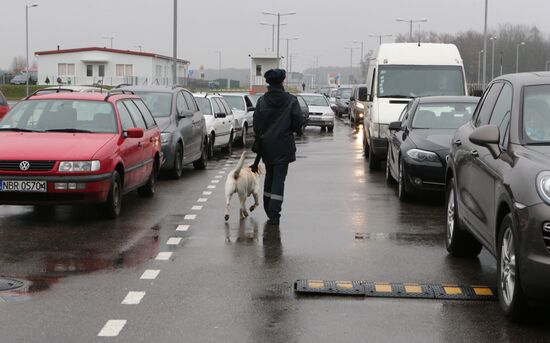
226,217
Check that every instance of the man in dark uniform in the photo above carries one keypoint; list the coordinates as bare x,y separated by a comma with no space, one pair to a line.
276,118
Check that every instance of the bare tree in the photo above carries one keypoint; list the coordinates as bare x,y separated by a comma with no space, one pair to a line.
18,64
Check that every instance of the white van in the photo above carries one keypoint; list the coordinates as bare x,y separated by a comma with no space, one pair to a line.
399,72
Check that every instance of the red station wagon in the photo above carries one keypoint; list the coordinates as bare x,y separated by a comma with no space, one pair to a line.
70,148
4,107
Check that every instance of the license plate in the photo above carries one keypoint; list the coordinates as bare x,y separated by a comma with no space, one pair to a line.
23,186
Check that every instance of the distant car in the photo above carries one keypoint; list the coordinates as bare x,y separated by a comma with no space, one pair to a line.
21,79
358,105
219,122
342,100
243,110
332,98
498,188
320,113
4,107
182,126
420,141
69,148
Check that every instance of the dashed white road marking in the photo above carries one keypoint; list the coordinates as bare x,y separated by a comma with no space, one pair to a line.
218,176
182,228
190,217
206,193
196,208
163,256
112,328
221,172
224,168
150,274
173,241
202,200
133,298
211,186
215,181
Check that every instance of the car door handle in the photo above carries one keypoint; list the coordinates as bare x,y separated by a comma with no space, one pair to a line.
474,153
152,139
457,142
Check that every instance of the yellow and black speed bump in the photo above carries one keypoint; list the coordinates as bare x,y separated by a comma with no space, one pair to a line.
395,290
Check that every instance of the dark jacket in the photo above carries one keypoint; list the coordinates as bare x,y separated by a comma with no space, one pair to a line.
276,118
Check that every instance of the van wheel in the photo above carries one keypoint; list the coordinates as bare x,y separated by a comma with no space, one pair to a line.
374,162
111,208
148,190
513,300
459,242
202,162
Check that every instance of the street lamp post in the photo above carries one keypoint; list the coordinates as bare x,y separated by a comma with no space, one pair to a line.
272,34
350,62
501,62
219,52
27,44
111,38
278,15
517,55
140,47
479,66
380,37
493,39
546,65
362,48
288,51
175,43
485,45
411,21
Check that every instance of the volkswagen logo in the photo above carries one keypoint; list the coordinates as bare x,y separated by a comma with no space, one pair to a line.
24,166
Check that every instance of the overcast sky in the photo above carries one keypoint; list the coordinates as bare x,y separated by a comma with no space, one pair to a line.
324,27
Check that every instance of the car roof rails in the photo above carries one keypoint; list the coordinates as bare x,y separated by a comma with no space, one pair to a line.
117,92
49,91
122,85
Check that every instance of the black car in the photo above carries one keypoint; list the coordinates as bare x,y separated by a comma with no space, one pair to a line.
498,187
181,123
304,107
420,141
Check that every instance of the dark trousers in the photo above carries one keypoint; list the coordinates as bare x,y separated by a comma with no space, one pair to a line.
274,189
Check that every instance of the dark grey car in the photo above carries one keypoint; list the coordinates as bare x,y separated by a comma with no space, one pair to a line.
182,126
498,187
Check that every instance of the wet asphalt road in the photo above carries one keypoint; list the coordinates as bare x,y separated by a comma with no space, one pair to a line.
231,282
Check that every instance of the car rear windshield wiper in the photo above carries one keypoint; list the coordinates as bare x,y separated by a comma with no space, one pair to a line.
396,96
16,129
69,130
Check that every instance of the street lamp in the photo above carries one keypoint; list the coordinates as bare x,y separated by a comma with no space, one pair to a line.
288,50
362,48
517,55
278,15
350,62
140,47
110,38
493,39
479,66
411,21
27,43
175,45
272,34
485,45
219,52
380,37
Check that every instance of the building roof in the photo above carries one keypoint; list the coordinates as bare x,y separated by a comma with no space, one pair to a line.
116,51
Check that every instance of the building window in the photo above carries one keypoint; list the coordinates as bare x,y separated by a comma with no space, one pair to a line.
65,69
101,70
123,70
258,70
89,70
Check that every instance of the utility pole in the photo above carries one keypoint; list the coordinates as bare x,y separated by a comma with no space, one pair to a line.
350,63
485,45
27,45
175,37
288,51
278,15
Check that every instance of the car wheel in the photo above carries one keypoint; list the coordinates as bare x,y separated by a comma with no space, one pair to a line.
389,178
330,129
513,300
148,190
366,148
245,134
177,171
404,187
459,242
374,162
211,141
111,208
202,162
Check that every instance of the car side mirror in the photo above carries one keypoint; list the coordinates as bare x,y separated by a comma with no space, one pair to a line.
134,132
363,94
396,126
487,136
250,108
351,98
220,115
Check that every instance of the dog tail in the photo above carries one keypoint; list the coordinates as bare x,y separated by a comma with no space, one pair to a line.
240,165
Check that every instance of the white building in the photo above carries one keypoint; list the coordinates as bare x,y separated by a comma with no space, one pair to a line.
89,66
259,64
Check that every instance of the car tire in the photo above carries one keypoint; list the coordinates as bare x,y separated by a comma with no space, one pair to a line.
458,241
330,128
111,208
512,299
389,177
211,141
245,134
148,190
202,162
177,171
366,148
374,162
229,147
404,188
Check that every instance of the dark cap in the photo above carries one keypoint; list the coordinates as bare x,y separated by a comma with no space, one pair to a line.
275,76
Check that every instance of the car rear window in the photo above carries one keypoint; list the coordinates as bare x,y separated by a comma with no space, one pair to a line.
443,115
235,102
204,105
536,114
62,115
159,103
